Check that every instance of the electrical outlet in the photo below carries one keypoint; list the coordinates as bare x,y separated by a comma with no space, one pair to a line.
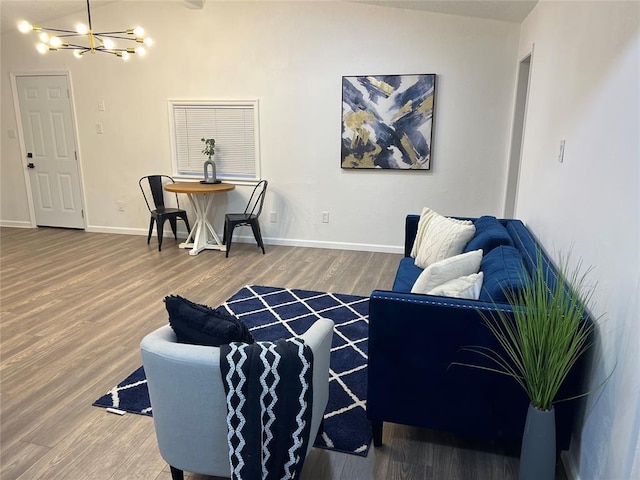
273,217
325,217
120,204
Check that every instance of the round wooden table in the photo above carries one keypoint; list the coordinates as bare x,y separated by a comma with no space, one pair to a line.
202,235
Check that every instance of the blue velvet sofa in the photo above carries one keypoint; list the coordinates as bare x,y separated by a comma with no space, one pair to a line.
414,340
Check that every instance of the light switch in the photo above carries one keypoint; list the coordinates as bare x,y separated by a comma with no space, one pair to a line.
99,128
101,106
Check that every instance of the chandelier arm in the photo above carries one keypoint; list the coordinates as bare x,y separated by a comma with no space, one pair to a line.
114,36
113,33
47,29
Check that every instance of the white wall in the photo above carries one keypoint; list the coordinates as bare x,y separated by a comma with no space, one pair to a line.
291,56
585,83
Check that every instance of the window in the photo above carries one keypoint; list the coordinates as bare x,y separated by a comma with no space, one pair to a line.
233,125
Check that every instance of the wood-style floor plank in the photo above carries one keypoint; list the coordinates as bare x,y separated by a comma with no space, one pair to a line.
74,307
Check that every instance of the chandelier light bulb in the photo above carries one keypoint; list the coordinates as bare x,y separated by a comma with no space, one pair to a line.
42,48
148,41
25,26
44,37
55,42
140,51
138,31
82,29
108,44
77,54
125,56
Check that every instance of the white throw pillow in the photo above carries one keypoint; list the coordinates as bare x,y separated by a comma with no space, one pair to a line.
447,269
423,223
464,287
444,237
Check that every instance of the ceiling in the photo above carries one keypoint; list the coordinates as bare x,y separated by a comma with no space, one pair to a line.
41,11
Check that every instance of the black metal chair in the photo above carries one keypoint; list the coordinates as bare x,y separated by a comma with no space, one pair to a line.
248,218
161,213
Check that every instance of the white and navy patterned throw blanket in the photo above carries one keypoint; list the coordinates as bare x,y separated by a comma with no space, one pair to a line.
269,401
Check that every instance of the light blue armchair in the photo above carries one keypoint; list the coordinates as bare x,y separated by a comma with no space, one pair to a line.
189,403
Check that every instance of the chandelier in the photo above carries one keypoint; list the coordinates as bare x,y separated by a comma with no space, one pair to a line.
84,40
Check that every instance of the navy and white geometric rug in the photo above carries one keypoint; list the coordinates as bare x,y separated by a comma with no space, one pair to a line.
272,313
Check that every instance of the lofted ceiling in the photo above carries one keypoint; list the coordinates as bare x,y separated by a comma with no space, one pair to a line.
42,11
504,10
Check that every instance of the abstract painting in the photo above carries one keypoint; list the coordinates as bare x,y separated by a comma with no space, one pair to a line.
387,121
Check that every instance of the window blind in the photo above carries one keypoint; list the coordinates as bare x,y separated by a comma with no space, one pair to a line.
232,125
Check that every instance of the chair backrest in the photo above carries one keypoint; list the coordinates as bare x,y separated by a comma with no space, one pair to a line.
155,184
189,402
254,206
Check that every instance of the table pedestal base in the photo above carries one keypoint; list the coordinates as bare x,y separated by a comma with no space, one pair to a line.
202,235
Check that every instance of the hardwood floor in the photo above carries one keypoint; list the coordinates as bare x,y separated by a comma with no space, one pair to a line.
74,308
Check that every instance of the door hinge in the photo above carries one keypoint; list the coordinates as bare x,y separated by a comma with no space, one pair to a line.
82,212
76,154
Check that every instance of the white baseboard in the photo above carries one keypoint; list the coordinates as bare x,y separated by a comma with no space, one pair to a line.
123,231
289,242
15,224
362,247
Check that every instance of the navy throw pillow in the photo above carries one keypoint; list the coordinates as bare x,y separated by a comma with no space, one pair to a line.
503,270
201,325
490,233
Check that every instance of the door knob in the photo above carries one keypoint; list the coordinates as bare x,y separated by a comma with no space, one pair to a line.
31,165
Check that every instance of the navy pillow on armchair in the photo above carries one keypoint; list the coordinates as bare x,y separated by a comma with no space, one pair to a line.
201,325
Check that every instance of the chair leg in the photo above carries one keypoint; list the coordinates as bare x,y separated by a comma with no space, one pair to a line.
176,473
186,222
377,433
150,230
160,229
174,226
228,239
255,226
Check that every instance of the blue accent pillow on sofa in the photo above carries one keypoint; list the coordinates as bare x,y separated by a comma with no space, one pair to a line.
201,325
503,271
490,233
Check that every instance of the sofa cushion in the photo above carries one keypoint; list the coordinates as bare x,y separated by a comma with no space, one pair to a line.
201,325
406,275
463,287
490,233
503,271
447,269
444,237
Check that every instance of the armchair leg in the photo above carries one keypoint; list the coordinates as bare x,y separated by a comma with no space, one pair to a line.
377,433
176,474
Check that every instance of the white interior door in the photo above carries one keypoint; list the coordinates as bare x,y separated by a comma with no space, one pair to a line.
49,137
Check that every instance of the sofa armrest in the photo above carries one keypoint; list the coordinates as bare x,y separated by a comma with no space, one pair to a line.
415,343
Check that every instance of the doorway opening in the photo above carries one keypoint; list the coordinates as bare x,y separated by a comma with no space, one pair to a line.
517,136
